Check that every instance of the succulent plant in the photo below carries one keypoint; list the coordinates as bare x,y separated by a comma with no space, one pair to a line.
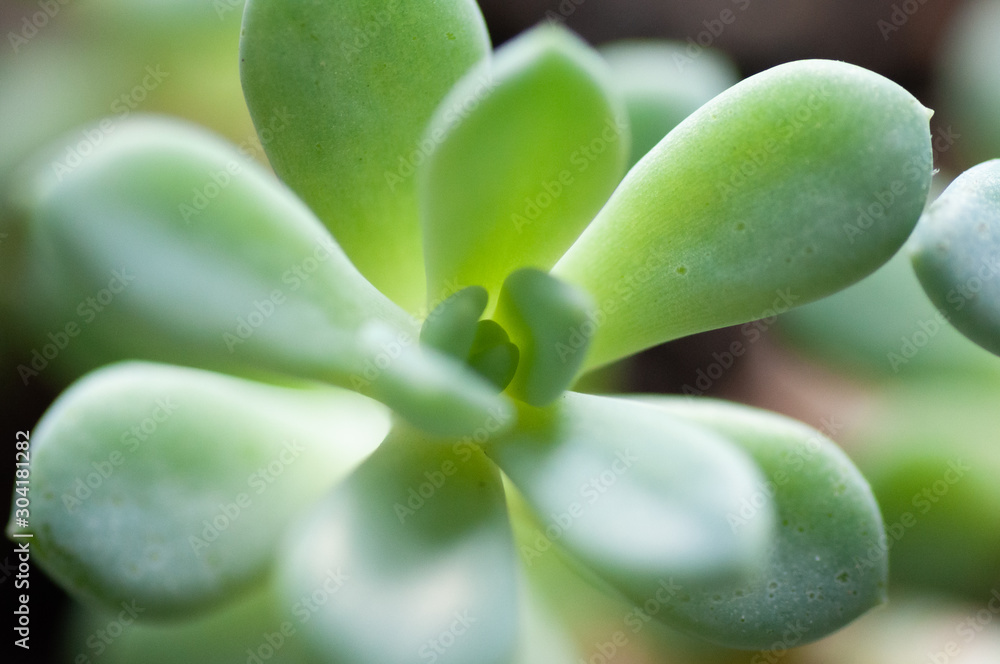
337,383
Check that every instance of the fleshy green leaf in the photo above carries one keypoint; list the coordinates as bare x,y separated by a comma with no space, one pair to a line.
636,495
451,327
166,244
827,563
528,147
662,84
956,254
416,541
547,321
361,80
787,187
493,355
171,487
430,390
252,631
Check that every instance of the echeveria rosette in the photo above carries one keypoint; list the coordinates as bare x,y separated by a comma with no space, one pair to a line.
747,199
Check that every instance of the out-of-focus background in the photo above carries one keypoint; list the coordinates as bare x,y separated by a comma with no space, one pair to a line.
906,396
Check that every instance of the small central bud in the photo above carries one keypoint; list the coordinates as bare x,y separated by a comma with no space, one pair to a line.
493,356
454,328
533,349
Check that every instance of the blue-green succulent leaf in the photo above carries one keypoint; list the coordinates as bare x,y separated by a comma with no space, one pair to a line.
166,244
171,488
637,495
956,254
827,563
417,539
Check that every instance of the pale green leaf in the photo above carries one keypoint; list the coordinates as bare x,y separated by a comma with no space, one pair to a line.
827,563
547,321
416,542
360,79
493,355
167,244
638,496
171,487
527,148
785,188
956,254
451,326
430,389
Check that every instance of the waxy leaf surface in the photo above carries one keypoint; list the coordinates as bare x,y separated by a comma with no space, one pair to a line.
171,487
410,560
528,147
795,182
956,254
361,80
637,495
827,562
167,244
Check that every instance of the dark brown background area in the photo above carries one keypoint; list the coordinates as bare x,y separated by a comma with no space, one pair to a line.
765,32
